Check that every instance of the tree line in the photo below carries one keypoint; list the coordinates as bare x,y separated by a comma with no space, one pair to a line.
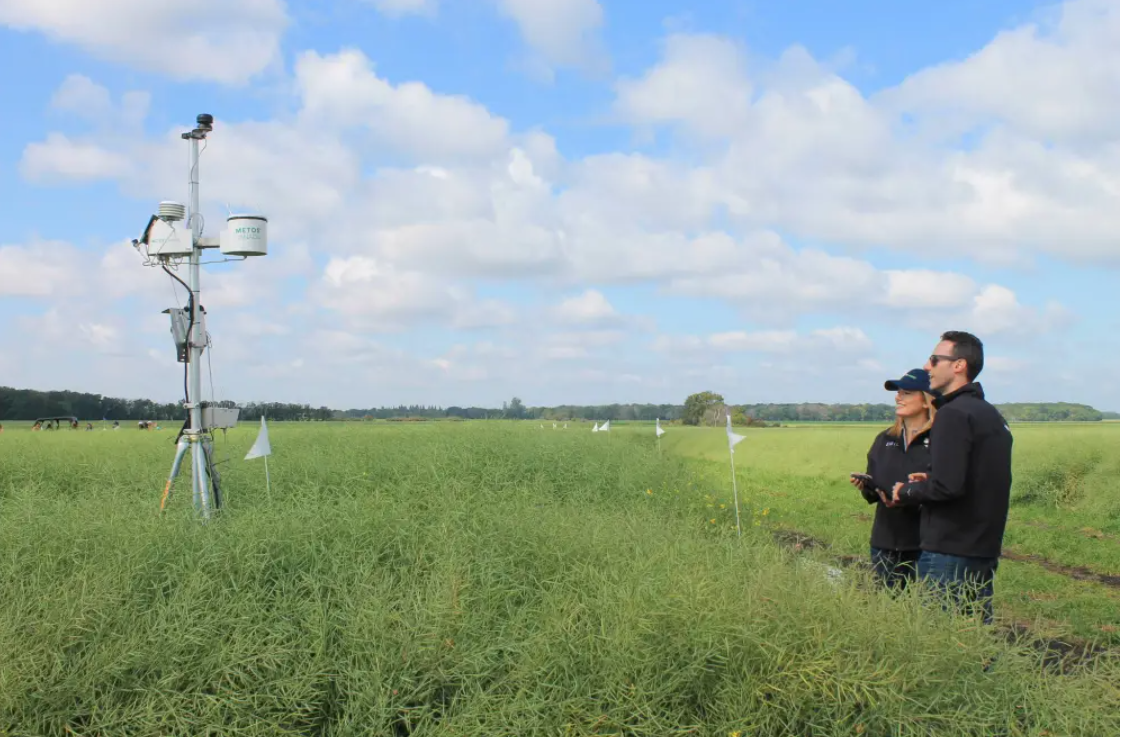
703,407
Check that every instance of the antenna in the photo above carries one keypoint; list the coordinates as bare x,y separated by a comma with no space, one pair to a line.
172,235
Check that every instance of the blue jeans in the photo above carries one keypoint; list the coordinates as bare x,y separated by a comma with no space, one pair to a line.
966,582
895,568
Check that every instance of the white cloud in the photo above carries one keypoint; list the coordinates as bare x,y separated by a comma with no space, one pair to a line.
797,147
589,307
78,94
789,147
61,159
342,90
763,342
997,310
398,8
378,297
842,338
918,288
41,269
561,32
1054,80
83,98
184,41
576,344
700,82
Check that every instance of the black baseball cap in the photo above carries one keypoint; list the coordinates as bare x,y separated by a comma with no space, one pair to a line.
915,380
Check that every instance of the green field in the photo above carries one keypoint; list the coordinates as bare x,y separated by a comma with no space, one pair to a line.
498,579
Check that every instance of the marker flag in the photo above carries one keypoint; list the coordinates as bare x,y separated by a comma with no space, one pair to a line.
261,446
733,438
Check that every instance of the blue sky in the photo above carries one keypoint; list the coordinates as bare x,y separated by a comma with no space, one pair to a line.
568,200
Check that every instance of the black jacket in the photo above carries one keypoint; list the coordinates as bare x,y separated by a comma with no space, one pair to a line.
965,499
890,461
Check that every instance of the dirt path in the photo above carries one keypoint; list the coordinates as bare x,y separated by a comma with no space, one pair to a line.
1080,573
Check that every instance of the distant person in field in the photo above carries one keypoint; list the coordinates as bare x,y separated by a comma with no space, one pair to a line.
896,453
965,496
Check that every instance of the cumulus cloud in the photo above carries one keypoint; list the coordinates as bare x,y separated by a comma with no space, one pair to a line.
842,338
377,297
560,32
42,269
761,149
701,84
398,8
589,307
342,90
184,41
1054,79
798,147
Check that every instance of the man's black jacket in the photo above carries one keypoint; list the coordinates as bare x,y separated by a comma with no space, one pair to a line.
965,499
890,460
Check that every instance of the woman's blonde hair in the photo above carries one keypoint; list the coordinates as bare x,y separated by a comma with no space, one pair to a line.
928,400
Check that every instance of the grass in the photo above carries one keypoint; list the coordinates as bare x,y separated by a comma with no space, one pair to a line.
467,579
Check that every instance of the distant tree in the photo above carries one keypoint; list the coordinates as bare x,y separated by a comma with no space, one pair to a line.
515,410
697,405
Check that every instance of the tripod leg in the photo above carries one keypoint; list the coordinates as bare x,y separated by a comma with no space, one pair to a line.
180,449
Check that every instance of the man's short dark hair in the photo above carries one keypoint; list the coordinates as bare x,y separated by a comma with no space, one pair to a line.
968,347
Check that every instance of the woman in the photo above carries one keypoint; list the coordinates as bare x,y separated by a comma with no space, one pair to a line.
896,453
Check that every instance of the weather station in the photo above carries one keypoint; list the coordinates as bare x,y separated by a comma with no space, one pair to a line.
173,238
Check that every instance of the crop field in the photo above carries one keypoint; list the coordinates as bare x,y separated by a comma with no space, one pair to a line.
489,578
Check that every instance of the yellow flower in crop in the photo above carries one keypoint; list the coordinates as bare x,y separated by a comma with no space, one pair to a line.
650,492
734,734
721,506
712,521
766,511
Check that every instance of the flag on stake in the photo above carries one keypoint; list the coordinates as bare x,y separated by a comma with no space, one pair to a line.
262,449
733,438
261,446
606,426
596,428
658,431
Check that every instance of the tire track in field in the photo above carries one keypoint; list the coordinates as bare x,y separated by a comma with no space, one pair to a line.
1079,573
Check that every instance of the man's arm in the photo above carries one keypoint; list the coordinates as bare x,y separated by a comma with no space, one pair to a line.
951,440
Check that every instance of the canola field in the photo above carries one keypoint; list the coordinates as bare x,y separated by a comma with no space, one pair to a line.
498,578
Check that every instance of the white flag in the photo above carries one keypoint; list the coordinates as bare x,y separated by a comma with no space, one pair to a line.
606,426
261,446
732,437
658,431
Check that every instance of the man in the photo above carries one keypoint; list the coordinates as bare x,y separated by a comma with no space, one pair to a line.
965,496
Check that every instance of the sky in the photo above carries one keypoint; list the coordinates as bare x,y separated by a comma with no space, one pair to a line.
570,201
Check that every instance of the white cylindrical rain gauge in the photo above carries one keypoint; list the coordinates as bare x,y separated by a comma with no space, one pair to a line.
245,235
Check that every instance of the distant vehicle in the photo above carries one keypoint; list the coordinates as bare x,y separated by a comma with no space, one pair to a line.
53,423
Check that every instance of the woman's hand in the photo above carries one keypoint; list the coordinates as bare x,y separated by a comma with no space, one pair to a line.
920,476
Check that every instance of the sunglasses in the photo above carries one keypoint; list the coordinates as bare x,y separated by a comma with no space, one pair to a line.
935,358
